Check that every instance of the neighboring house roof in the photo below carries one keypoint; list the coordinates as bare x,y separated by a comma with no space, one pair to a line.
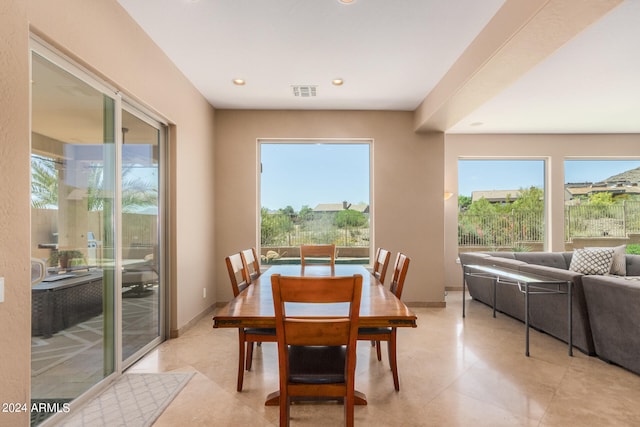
360,207
572,190
495,196
613,189
328,207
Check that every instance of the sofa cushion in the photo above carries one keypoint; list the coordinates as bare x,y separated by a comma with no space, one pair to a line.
469,258
551,272
567,258
619,264
512,264
633,265
501,254
592,261
550,259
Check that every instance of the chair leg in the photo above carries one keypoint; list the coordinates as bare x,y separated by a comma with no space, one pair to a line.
393,361
249,355
378,352
285,403
349,416
240,358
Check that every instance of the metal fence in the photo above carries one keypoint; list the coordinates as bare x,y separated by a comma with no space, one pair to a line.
617,220
500,229
286,230
516,228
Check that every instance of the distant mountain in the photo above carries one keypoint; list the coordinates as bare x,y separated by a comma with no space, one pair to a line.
632,175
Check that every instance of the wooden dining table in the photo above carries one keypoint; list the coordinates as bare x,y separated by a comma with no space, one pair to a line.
253,307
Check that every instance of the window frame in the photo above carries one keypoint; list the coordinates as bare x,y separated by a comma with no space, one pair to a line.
316,141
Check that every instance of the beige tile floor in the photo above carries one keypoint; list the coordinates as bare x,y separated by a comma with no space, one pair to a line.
452,373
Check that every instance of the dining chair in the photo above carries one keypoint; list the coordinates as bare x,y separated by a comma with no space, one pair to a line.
241,280
237,273
252,263
389,335
250,259
316,353
317,254
381,264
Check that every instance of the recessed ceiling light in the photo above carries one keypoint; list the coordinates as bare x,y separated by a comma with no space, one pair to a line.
239,82
347,1
337,82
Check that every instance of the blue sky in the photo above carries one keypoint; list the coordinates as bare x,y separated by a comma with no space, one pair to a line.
490,174
309,174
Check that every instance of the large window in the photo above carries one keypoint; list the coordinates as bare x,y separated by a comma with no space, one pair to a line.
315,192
602,203
501,205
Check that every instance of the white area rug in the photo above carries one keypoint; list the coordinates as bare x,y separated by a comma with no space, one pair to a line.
134,400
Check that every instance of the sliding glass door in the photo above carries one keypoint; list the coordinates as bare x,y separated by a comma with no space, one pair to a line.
97,223
141,296
73,159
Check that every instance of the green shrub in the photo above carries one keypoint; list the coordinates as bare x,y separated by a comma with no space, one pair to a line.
633,249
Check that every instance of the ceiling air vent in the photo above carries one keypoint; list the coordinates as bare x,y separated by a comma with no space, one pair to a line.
306,91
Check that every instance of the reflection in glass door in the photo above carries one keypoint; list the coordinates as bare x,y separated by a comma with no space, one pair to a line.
73,162
141,278
96,222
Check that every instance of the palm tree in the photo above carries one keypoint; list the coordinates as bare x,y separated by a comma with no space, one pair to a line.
136,192
44,183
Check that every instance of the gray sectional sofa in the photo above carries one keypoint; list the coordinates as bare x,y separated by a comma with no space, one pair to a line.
606,308
614,314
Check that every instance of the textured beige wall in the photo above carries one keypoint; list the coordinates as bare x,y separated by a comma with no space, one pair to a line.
15,311
555,149
407,182
103,38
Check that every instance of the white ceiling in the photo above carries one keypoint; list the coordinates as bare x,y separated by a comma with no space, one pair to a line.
391,54
590,85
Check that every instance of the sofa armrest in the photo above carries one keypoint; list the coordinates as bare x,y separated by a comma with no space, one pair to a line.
615,319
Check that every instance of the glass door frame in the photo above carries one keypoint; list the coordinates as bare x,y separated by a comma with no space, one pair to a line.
143,114
121,102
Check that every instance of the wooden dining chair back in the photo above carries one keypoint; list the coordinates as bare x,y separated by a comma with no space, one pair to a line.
251,262
316,350
237,273
400,269
381,264
240,280
317,254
